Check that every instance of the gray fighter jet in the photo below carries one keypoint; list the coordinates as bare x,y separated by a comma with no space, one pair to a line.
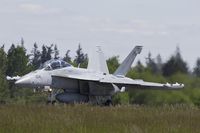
93,84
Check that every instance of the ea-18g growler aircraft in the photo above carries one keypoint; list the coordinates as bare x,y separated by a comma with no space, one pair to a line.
93,84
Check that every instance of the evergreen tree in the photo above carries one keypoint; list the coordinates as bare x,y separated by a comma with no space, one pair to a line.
3,82
196,71
3,60
175,64
139,67
56,52
17,65
159,63
44,54
49,52
151,64
36,61
67,57
10,68
85,62
113,64
17,61
81,58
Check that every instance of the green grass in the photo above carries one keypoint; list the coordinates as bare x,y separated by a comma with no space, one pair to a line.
95,119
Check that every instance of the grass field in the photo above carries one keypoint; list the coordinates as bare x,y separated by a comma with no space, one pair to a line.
95,119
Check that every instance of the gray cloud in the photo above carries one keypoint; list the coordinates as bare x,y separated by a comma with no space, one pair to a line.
38,9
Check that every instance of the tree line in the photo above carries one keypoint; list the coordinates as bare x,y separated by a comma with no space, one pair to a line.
16,61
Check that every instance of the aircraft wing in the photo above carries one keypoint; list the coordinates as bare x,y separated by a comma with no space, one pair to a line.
121,82
140,84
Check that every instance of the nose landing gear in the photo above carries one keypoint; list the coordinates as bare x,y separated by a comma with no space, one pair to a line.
52,96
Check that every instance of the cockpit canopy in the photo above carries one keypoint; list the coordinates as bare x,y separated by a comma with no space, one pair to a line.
55,64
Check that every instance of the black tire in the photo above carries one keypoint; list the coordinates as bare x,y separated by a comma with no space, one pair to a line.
51,102
108,103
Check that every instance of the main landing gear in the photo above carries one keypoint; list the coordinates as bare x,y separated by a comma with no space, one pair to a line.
108,102
101,100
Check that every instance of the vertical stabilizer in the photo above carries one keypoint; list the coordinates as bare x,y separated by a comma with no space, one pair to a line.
97,62
126,64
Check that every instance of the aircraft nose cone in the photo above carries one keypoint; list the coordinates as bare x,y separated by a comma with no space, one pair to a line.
23,81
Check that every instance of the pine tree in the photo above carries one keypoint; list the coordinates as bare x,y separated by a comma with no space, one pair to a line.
151,65
67,57
17,61
44,54
113,64
159,63
85,62
81,58
17,65
3,60
196,71
175,64
49,52
56,52
36,61
10,68
3,82
139,67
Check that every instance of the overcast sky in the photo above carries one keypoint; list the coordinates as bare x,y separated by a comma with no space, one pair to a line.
116,25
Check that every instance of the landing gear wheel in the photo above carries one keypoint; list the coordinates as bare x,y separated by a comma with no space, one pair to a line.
51,102
108,103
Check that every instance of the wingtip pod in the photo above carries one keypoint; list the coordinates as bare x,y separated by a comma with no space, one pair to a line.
12,78
174,86
8,78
